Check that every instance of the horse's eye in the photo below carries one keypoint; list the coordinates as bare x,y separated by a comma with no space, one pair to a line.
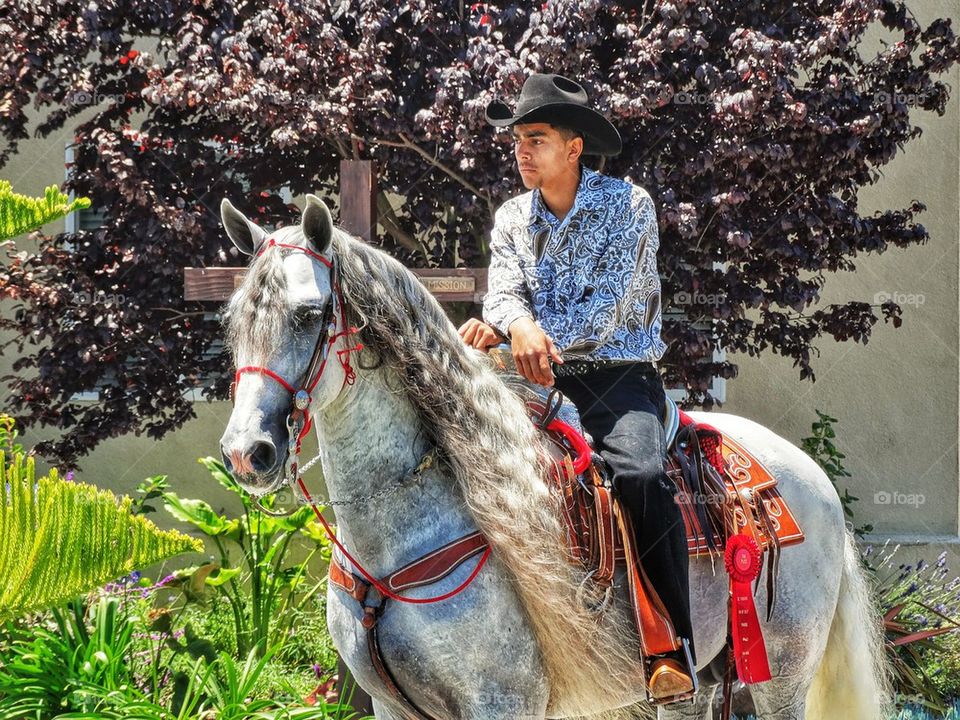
305,318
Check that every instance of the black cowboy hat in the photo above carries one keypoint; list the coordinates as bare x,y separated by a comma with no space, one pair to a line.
558,100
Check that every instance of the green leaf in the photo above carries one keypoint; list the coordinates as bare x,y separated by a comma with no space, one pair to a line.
314,530
297,520
196,512
224,576
221,474
20,214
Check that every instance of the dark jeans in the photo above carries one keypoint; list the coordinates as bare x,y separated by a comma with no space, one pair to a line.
622,408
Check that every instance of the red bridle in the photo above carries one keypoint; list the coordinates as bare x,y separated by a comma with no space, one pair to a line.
301,404
303,397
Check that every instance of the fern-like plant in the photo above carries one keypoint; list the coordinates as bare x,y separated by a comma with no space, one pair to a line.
61,539
20,214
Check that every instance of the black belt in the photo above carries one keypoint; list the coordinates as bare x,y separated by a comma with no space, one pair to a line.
579,367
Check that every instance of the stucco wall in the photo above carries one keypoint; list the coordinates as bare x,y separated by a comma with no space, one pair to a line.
895,397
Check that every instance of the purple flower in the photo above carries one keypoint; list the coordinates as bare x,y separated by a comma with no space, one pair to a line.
317,670
69,476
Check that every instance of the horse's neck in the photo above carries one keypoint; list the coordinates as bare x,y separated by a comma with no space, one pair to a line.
370,437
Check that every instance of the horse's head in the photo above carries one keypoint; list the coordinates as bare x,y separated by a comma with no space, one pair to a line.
278,331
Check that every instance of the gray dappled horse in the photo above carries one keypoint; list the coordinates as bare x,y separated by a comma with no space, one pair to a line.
519,641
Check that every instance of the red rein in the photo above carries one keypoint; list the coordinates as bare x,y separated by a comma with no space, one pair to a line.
383,589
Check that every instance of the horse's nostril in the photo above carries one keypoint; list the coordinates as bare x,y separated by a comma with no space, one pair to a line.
263,457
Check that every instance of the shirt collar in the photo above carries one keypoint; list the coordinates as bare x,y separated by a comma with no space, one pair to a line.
538,209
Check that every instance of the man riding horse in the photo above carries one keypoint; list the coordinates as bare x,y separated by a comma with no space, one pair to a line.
573,272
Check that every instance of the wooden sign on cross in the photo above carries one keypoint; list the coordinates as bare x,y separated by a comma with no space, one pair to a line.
358,216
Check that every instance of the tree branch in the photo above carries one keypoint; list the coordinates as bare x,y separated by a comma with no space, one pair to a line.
407,143
388,218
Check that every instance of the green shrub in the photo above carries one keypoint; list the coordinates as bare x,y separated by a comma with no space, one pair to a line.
921,608
820,446
254,573
64,660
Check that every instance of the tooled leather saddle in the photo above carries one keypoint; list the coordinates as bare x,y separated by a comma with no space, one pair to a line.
722,490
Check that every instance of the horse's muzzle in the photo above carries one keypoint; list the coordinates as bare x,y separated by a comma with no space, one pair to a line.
258,468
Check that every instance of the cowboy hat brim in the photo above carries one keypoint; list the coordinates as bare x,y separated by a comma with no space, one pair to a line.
600,136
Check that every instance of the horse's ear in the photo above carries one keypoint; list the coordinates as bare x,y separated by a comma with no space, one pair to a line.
246,235
317,224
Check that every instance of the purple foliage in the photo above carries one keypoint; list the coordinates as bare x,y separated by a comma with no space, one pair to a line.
752,124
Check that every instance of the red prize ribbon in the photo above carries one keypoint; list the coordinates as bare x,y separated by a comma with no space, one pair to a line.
742,558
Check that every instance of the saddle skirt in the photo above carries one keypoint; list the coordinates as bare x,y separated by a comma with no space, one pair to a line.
723,492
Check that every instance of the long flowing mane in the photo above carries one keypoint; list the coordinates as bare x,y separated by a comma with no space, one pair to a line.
485,435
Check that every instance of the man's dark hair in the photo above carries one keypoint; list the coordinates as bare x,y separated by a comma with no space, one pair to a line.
567,132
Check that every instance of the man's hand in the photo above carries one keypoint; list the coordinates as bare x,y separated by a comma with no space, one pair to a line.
532,351
480,335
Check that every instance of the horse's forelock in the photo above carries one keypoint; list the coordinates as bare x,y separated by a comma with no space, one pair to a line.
257,312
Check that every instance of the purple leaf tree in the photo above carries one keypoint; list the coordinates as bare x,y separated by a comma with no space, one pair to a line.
752,124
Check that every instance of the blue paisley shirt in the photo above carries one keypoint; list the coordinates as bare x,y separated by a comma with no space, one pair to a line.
590,280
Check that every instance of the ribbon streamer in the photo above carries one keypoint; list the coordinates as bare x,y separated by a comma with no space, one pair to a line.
742,558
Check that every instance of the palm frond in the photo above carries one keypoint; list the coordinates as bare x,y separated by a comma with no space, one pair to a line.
20,214
62,538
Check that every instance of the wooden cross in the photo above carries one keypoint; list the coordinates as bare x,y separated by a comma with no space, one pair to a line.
358,216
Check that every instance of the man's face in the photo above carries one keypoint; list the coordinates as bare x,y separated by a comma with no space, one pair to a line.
543,155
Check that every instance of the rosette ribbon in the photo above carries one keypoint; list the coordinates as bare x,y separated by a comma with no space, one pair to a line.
742,558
